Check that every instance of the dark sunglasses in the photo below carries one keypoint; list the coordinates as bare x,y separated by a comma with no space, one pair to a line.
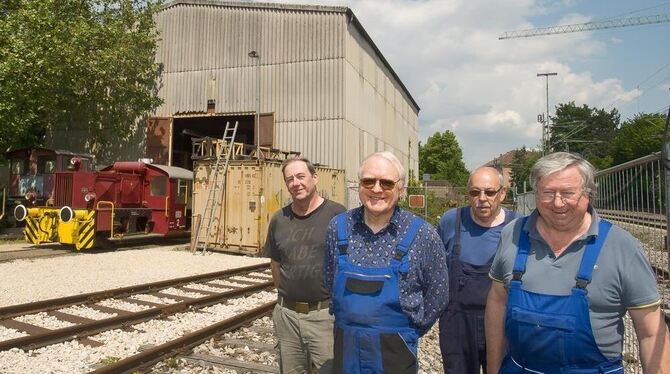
488,193
385,184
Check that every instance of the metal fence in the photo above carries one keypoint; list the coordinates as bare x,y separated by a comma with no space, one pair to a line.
437,200
633,196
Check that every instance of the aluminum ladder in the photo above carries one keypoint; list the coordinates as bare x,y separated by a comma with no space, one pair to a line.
217,183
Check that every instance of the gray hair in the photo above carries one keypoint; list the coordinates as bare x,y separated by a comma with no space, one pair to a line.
390,157
501,177
310,166
559,161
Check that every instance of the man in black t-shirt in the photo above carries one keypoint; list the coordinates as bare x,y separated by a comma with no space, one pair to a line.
296,245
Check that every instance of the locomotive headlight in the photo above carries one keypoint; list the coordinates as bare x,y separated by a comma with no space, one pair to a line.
89,197
65,214
20,212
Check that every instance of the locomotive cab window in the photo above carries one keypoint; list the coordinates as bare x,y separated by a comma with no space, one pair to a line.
183,187
18,166
158,185
46,164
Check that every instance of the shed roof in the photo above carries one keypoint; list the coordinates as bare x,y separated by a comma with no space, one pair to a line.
351,17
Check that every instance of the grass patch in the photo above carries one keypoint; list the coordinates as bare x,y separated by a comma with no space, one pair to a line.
171,363
110,360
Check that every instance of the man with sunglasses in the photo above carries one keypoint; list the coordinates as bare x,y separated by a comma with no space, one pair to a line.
470,236
386,271
563,280
295,243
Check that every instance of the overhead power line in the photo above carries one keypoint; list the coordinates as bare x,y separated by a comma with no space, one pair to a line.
578,27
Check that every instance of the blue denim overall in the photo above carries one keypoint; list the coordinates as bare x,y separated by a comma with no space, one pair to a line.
552,334
462,340
372,333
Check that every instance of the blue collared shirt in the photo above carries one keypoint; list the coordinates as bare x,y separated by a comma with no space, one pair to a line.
424,291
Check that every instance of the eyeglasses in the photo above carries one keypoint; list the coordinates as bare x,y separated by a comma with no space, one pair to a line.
565,196
385,184
488,193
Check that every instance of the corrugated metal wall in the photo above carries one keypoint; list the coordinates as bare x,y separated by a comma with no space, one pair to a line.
205,51
333,99
377,106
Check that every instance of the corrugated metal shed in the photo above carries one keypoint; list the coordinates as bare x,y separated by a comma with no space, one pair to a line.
326,90
333,95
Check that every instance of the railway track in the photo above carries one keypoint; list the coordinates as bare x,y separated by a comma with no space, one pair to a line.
652,220
55,249
187,295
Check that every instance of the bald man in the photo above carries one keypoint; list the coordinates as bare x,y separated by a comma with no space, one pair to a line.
470,236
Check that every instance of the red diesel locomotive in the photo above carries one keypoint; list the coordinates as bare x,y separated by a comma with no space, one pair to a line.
126,198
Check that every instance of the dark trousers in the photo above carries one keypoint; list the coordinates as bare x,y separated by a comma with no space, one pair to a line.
462,342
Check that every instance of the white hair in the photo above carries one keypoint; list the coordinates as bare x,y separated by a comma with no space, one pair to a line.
390,157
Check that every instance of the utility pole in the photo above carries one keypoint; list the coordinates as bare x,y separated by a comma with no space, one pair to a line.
257,127
545,126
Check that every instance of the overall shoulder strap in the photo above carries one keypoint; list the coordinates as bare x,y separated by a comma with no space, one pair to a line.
406,241
399,259
522,252
591,253
457,234
342,233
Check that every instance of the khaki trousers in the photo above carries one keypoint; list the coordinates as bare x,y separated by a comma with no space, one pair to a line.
305,340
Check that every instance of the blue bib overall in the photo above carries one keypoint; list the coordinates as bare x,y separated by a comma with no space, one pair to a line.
462,340
372,333
552,334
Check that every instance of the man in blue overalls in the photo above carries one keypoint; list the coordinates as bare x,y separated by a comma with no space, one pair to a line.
563,280
470,236
387,273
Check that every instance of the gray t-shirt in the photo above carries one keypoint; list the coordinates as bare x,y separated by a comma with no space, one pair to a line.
622,276
298,243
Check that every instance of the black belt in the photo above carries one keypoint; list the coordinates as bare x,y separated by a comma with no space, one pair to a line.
303,307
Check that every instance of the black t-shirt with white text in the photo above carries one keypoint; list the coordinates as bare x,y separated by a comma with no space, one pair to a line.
298,244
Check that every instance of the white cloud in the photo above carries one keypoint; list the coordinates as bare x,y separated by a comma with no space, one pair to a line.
466,80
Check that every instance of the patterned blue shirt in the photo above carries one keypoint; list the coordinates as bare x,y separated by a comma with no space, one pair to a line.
424,291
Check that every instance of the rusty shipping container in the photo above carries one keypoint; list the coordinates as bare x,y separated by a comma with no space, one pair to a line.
254,191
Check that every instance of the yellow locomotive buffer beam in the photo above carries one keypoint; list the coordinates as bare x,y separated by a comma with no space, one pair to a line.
77,227
41,223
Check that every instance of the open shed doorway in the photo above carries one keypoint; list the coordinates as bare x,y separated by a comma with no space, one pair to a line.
186,128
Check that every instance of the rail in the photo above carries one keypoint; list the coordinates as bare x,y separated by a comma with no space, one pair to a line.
167,205
93,327
171,348
52,304
111,224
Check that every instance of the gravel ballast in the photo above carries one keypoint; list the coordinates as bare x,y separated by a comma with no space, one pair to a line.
39,279
25,281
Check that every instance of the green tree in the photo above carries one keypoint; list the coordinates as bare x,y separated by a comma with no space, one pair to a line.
522,161
76,64
584,130
637,137
442,157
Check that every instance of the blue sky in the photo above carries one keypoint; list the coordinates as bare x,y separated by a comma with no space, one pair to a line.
486,90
